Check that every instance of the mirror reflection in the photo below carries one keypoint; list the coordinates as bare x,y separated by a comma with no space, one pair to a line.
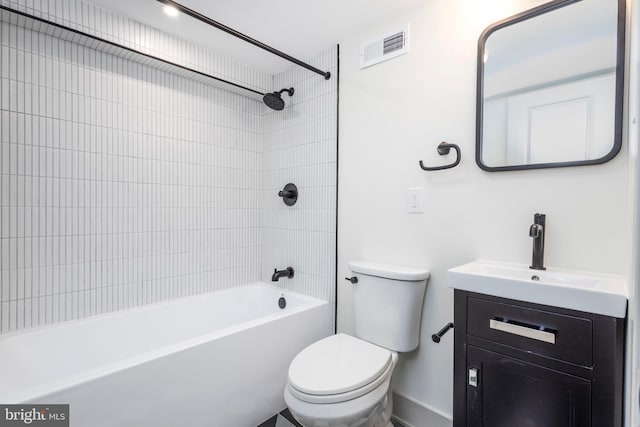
549,88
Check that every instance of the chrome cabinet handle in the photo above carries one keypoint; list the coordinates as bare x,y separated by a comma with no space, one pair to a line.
523,331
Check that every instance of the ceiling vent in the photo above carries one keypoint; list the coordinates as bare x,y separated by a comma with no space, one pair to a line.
384,48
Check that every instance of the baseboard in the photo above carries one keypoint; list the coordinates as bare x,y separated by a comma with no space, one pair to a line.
413,413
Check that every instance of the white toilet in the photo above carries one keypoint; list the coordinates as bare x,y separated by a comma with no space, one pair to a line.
344,381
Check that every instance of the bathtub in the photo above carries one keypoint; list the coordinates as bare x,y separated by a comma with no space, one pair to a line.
217,359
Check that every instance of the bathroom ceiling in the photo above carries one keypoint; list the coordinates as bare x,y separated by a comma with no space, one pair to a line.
297,27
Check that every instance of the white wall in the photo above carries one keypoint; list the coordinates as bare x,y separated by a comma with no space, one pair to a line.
394,115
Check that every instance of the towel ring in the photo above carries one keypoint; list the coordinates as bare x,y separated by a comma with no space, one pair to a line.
443,149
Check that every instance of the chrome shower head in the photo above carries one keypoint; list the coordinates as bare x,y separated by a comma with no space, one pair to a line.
274,100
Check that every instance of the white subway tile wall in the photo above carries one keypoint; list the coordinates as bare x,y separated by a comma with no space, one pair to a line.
107,25
300,147
123,185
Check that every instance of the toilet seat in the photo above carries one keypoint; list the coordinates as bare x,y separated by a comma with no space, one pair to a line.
339,368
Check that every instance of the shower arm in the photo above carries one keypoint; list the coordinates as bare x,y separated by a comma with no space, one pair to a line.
218,25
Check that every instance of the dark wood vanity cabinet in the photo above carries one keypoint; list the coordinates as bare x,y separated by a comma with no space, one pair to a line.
519,364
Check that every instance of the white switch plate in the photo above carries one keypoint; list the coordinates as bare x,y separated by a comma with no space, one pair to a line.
414,200
473,377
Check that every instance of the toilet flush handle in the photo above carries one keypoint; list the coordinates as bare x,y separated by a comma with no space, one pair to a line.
353,279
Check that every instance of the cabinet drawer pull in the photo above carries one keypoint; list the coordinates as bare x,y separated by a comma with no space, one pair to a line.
524,331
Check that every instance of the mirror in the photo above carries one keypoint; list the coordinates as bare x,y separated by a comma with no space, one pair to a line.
550,86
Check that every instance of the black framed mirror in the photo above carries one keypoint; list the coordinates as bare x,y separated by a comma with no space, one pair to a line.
550,86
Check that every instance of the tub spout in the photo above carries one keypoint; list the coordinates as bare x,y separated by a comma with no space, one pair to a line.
277,274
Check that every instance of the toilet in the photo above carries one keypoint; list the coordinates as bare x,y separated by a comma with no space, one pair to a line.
343,380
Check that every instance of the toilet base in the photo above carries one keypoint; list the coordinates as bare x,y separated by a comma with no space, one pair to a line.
371,410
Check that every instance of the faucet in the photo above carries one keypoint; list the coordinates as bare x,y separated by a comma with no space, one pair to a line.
277,274
537,232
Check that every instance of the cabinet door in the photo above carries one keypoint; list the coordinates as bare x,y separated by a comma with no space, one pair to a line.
513,393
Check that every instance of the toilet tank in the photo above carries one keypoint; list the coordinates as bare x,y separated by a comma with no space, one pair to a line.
388,304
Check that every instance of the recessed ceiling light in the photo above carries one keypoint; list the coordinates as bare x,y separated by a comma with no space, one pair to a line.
170,10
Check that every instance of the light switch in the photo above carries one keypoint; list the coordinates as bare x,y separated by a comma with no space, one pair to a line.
415,200
473,377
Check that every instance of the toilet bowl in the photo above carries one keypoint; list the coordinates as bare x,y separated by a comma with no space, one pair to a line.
344,380
341,381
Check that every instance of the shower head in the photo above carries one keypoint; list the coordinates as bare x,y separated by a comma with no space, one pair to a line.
274,100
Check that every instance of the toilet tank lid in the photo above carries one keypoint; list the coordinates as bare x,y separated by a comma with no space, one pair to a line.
389,271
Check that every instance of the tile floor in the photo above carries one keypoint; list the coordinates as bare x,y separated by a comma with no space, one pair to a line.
283,419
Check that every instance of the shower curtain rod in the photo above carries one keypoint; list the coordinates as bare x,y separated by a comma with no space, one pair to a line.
76,33
218,25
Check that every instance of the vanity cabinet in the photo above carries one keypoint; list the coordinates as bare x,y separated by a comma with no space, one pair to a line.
519,364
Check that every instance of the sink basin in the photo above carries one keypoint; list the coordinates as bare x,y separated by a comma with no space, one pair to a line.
578,290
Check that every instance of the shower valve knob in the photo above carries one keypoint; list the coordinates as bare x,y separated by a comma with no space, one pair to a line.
289,194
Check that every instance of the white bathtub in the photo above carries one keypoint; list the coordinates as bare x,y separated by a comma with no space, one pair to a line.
217,359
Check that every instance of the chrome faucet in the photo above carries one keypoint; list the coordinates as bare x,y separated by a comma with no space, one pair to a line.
277,274
537,232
